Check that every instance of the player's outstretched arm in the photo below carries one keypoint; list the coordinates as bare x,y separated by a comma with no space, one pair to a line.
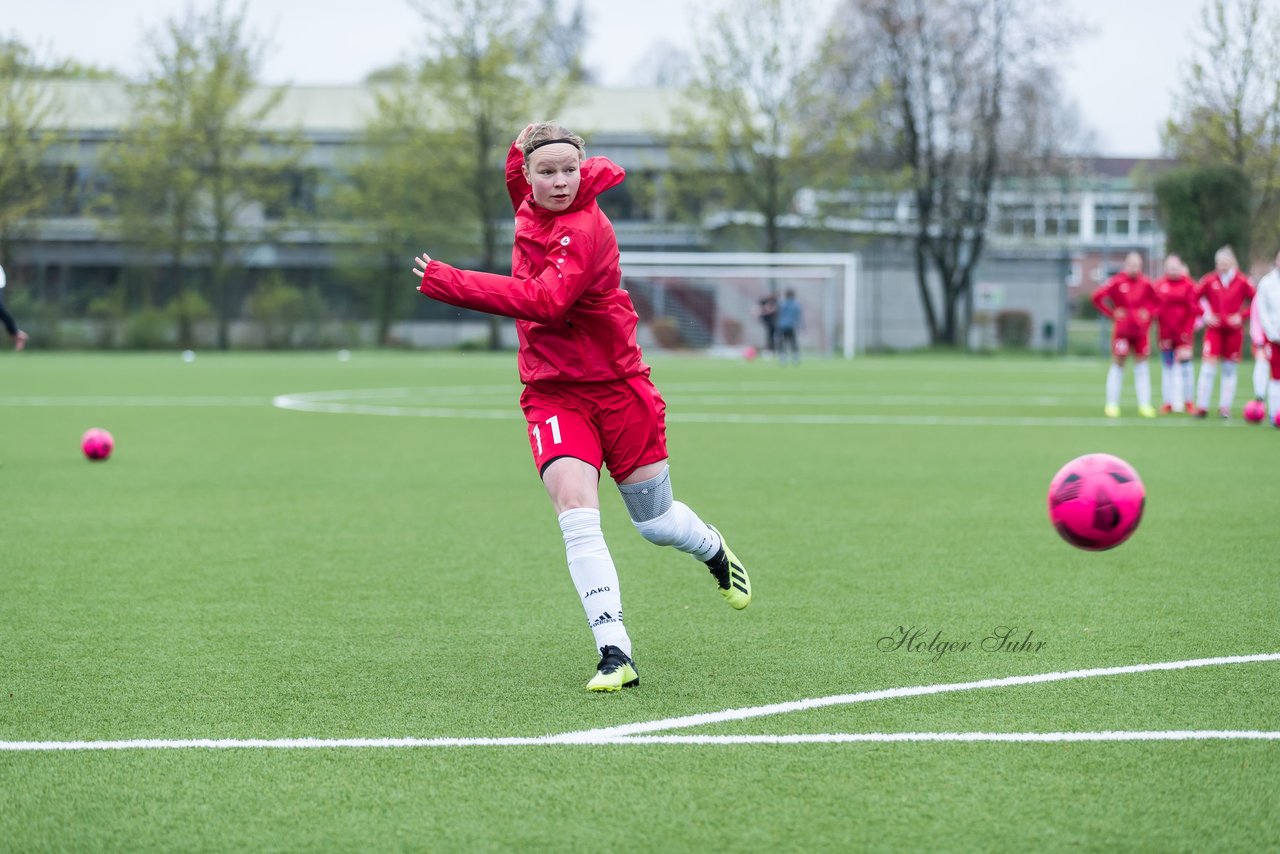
542,298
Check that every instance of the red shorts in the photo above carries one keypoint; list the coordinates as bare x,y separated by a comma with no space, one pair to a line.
1124,342
1271,351
1221,342
621,425
1180,340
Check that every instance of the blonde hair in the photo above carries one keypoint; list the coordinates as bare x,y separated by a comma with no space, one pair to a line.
542,133
1226,252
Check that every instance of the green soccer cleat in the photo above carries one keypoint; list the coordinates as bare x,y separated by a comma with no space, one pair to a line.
615,670
1147,411
731,575
1111,410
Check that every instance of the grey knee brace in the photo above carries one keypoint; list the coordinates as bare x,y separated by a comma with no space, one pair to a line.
648,499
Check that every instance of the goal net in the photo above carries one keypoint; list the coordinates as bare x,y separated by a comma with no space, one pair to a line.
711,301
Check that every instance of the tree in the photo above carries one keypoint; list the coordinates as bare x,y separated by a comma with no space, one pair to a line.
196,165
744,138
395,189
1229,110
942,72
1203,208
27,117
489,68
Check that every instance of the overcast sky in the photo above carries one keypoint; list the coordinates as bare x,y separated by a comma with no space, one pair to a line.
1123,76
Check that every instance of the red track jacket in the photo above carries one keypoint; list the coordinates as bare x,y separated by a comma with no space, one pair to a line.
574,321
1135,295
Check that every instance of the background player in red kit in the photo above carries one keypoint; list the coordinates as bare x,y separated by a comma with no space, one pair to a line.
588,399
1266,307
1175,332
1129,299
1226,294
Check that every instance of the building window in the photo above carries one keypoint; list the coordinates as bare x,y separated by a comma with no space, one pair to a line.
1061,220
1111,220
1018,220
1147,223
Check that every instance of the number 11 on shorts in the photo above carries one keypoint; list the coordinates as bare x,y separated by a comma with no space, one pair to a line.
554,423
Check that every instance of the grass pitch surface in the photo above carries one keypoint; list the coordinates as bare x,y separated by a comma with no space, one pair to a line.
379,561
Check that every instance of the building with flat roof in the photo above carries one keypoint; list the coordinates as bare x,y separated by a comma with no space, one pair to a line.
1049,239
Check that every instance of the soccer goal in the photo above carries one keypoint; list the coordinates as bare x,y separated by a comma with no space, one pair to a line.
711,301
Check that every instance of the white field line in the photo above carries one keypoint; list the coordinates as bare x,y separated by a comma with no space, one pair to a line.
697,740
638,733
333,402
968,737
131,400
708,718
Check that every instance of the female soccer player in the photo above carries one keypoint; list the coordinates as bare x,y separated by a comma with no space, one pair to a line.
1261,357
1176,318
1226,294
1129,299
1266,308
587,395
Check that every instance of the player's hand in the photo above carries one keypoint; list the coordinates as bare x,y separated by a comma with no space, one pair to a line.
1210,319
523,135
420,265
1120,314
1143,315
1234,321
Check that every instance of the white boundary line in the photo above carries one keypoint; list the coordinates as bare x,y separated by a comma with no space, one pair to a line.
130,400
915,691
332,402
697,740
637,733
343,402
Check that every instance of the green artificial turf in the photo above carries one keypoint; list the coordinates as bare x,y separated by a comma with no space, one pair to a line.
239,570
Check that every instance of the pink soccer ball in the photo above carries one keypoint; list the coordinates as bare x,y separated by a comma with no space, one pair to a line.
1255,412
1096,502
97,444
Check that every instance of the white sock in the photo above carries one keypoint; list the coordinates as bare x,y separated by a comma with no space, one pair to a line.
1177,399
681,529
1261,377
1115,376
1208,371
1167,374
1227,393
1188,380
1142,382
1273,400
594,576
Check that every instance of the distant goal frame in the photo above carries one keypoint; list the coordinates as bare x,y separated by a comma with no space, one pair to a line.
728,265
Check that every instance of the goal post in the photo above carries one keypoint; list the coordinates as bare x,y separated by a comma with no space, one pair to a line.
710,301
